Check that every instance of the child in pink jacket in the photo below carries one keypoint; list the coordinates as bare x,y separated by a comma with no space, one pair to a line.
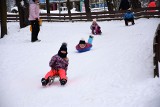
59,64
33,18
96,29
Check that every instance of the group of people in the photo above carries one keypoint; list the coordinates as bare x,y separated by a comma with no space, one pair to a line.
96,29
59,62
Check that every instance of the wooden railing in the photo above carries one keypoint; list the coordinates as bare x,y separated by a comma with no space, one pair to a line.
156,51
100,16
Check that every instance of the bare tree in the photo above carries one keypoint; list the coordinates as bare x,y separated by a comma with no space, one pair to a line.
3,17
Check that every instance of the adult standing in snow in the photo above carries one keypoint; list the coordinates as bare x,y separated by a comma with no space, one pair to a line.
124,5
33,18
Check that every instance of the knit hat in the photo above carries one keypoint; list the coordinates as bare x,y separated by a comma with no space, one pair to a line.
82,41
129,9
63,47
94,20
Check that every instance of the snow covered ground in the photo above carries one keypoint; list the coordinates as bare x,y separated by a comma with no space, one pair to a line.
117,72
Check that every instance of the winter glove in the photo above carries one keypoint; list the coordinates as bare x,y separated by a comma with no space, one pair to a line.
36,19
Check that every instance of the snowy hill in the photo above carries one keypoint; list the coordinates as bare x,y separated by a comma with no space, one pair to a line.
117,72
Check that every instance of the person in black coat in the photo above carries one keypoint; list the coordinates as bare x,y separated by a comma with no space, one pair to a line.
124,5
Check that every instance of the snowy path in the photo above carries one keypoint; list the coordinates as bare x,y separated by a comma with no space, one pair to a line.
117,72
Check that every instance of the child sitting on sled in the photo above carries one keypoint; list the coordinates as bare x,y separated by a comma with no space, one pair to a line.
84,46
96,29
59,64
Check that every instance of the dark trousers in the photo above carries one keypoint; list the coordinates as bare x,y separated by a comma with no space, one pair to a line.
129,20
35,30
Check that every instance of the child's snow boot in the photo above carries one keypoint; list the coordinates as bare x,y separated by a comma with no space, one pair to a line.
51,80
44,82
90,39
63,81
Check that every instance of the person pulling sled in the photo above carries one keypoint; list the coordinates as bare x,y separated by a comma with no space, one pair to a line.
59,64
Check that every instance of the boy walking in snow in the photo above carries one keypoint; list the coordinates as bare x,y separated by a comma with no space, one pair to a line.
59,64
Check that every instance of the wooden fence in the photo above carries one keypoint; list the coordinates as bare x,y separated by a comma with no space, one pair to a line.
100,16
156,51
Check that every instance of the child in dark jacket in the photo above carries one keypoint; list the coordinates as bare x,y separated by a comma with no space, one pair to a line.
129,17
59,64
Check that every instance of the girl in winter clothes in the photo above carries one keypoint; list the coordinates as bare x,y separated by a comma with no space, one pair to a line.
96,29
59,64
129,17
33,18
83,46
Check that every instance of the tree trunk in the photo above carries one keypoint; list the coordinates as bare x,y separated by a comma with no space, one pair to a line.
26,11
116,4
69,9
3,17
87,9
48,7
110,5
135,4
23,12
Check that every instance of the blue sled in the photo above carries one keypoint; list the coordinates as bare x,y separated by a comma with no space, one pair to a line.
84,50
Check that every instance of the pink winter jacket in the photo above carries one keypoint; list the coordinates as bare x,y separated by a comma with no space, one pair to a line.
33,11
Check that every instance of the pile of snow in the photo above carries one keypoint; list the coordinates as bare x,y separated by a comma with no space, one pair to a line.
116,72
